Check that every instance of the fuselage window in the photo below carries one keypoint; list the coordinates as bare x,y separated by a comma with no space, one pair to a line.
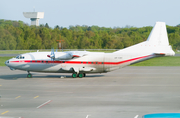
19,57
102,62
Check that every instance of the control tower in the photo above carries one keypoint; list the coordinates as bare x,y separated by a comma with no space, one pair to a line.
34,16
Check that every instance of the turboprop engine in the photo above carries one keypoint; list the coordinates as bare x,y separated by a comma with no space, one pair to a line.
60,56
63,56
67,55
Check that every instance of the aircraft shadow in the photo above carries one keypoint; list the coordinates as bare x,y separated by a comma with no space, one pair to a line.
13,77
34,76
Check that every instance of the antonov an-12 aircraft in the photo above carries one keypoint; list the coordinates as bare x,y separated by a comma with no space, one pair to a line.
80,63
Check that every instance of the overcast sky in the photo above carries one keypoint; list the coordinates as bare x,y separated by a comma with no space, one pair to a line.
103,13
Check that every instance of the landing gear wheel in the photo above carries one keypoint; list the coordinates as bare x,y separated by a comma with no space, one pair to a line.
74,75
29,75
80,75
84,74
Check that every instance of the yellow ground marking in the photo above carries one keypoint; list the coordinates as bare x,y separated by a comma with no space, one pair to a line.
17,97
4,112
36,97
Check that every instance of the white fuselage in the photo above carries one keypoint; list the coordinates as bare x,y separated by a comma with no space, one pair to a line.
94,62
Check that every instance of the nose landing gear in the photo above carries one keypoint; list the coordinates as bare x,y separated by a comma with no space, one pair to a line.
29,75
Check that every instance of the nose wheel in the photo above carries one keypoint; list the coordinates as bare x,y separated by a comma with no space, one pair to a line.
29,75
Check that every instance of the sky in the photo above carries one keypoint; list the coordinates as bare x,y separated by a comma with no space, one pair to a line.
102,13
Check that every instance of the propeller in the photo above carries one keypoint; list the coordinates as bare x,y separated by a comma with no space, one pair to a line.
52,56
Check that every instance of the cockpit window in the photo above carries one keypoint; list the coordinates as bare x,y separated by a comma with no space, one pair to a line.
20,57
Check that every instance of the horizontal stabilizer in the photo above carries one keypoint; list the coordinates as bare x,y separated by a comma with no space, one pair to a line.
160,54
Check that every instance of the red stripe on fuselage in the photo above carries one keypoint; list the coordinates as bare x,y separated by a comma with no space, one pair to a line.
78,62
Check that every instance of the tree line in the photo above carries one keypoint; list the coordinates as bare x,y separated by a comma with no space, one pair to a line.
16,35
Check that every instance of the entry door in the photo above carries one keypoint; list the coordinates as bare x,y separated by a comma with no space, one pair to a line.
107,61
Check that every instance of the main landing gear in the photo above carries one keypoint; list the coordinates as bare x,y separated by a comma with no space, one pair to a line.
29,75
80,75
74,75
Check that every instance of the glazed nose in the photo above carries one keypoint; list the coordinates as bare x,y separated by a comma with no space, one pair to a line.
7,62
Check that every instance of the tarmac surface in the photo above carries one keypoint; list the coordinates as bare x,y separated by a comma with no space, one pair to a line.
129,92
8,55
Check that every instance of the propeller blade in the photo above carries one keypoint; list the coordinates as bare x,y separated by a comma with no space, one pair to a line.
52,56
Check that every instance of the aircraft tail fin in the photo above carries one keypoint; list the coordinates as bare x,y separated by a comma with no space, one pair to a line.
158,35
156,43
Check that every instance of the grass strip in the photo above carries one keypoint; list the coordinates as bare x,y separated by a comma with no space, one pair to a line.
160,61
15,51
3,59
28,51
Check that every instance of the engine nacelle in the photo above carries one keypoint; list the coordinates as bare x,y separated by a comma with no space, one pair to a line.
67,55
62,56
